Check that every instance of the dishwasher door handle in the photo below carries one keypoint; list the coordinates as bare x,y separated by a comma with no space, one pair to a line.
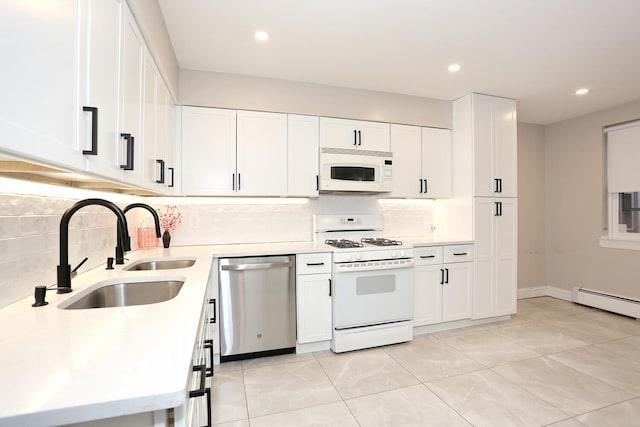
257,266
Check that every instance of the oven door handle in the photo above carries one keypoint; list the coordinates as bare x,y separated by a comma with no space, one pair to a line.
257,266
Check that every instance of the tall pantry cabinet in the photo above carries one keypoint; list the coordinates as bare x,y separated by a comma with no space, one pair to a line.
488,125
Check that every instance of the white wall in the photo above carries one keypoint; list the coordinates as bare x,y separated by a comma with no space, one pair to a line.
254,93
576,207
531,206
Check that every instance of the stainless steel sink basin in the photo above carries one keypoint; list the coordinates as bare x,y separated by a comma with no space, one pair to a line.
160,264
127,294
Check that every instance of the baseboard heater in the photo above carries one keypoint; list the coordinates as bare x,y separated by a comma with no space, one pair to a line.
609,302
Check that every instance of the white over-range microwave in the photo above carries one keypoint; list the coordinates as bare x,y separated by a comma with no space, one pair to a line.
355,170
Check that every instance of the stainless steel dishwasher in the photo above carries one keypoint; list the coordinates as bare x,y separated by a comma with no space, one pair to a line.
257,306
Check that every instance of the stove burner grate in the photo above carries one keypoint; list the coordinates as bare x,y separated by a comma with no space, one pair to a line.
381,241
343,243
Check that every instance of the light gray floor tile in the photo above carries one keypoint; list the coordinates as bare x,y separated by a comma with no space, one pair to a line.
410,406
430,359
365,372
571,422
581,329
275,360
616,371
227,396
565,388
538,338
625,414
485,398
288,386
241,423
489,348
329,415
612,321
629,348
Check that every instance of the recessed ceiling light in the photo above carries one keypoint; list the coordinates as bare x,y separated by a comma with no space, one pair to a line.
453,68
261,36
582,91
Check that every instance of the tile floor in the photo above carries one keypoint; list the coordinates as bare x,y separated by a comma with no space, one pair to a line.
554,363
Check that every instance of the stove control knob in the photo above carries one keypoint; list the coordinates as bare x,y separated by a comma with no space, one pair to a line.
401,254
358,257
394,254
349,258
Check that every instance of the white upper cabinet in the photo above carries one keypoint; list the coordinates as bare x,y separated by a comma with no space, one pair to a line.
302,146
132,103
495,149
421,162
354,134
165,141
261,154
208,151
99,85
39,84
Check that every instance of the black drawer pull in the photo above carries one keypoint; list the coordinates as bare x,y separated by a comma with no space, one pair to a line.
201,389
208,345
314,264
213,319
460,253
427,256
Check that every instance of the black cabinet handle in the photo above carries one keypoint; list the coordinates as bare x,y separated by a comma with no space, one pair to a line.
359,138
447,279
171,170
161,163
459,253
94,131
200,391
208,393
329,287
239,186
317,182
128,166
426,188
208,345
442,276
314,264
355,137
233,182
421,186
496,188
498,208
427,256
499,185
213,319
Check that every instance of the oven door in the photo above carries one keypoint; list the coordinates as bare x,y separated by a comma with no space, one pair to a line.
371,297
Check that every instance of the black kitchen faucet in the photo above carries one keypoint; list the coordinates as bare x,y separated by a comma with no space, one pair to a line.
156,219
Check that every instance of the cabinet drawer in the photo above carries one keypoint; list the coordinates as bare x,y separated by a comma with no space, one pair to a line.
458,253
428,255
313,263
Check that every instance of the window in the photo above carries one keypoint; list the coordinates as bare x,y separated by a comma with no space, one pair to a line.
623,185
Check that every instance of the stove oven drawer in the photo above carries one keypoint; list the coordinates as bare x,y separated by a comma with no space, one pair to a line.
429,255
313,263
458,253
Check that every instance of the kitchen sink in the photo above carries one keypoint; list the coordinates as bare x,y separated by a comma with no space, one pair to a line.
124,294
160,264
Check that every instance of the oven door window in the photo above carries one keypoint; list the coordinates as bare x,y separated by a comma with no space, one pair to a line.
353,173
372,297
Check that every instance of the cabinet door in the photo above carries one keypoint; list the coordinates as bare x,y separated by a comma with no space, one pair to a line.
456,291
505,145
484,291
314,307
506,232
100,84
131,108
361,135
166,139
302,146
208,151
482,119
39,84
436,162
406,148
427,295
150,123
261,154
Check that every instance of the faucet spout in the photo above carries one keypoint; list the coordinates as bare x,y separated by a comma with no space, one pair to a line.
156,220
64,269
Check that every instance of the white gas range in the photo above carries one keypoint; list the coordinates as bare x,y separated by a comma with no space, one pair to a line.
372,284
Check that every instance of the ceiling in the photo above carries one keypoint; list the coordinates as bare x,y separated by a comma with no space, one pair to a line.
536,51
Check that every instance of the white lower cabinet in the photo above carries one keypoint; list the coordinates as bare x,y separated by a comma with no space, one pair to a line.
313,297
442,284
496,244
